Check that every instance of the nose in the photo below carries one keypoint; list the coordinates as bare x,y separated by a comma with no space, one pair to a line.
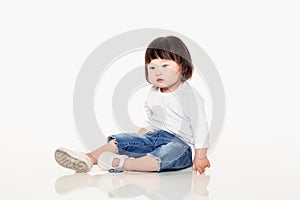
157,70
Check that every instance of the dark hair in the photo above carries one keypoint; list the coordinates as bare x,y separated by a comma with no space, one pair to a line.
171,48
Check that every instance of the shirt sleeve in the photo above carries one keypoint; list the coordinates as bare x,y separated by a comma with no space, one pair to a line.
147,123
198,121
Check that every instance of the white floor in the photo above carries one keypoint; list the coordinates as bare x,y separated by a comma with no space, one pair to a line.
254,45
236,173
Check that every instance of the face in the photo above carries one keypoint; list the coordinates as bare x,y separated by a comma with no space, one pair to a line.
165,74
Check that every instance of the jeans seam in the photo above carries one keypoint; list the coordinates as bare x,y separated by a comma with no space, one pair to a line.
155,141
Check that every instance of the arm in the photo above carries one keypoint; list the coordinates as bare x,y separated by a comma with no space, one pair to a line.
200,128
200,161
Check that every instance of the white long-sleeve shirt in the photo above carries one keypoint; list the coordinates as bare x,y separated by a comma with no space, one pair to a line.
180,112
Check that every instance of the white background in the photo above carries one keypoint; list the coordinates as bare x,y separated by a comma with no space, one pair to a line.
254,45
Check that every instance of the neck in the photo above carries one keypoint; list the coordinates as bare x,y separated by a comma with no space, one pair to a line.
171,88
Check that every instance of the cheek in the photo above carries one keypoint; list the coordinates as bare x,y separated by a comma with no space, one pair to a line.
174,75
150,76
172,72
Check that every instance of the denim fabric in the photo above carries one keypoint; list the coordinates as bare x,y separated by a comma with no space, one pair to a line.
172,152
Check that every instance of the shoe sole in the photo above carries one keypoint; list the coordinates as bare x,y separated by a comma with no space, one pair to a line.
66,160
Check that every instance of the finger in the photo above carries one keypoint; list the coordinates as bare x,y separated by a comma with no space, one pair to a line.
203,170
200,170
194,168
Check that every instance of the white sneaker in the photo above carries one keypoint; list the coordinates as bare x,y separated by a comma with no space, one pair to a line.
75,160
105,161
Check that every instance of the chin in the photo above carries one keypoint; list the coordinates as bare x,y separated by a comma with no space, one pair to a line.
155,84
160,85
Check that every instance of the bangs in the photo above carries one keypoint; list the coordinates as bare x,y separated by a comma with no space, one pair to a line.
153,53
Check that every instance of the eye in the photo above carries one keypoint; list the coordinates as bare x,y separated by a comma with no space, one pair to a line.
151,67
165,65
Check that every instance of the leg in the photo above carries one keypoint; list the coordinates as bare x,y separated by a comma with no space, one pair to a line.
166,153
145,163
110,146
130,144
81,162
152,152
173,156
134,146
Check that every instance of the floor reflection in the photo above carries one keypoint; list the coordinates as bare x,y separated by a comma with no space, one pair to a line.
181,185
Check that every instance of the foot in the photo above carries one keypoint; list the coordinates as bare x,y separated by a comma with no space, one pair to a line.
108,160
74,160
116,162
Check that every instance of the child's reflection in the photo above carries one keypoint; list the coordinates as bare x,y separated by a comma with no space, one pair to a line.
170,185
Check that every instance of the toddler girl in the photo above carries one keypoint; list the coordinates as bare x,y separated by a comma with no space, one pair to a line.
176,120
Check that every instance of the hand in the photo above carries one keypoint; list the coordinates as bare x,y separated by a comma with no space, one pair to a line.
199,164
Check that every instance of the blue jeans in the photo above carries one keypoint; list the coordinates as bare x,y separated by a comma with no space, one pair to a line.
171,152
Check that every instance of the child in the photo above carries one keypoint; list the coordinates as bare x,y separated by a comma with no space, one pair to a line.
176,120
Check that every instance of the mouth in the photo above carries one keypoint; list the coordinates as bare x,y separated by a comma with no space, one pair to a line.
159,80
